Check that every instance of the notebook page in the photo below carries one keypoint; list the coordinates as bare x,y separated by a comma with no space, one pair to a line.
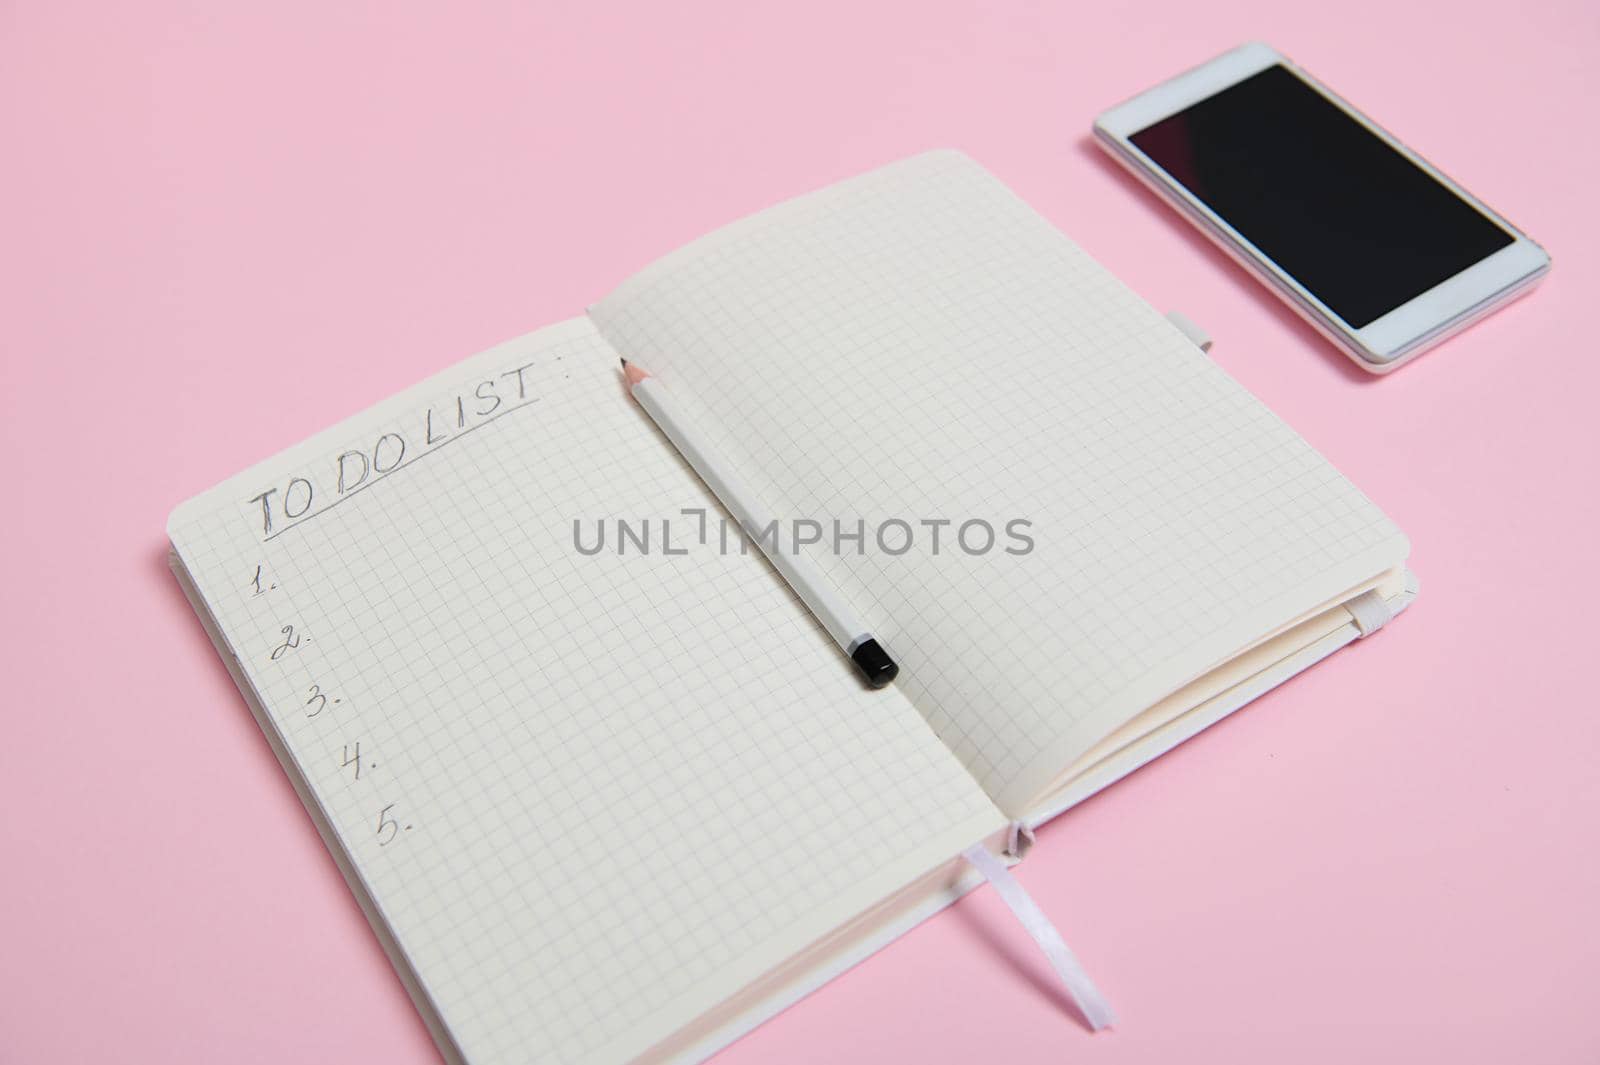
592,796
917,345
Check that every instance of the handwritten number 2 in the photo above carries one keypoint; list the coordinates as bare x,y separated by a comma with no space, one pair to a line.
291,640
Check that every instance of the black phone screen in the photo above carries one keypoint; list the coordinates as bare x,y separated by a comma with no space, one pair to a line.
1354,221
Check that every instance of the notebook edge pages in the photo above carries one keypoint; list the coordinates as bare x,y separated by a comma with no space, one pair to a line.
1168,735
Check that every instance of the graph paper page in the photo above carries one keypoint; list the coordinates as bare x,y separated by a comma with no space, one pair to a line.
917,345
592,796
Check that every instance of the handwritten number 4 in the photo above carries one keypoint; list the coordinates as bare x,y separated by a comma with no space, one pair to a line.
352,758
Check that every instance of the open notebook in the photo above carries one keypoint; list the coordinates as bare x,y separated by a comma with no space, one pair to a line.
624,805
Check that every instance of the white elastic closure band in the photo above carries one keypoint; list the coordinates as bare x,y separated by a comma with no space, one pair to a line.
1079,987
1185,325
1370,612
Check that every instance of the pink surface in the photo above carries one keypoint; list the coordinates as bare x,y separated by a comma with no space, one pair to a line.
226,226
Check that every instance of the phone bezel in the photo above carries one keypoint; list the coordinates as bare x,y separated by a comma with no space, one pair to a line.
1400,334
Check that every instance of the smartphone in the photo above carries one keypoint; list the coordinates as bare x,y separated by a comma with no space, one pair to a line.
1372,245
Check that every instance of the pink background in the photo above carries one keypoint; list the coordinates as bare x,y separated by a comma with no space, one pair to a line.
226,226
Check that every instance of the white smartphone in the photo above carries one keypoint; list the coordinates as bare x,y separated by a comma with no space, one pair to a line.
1381,252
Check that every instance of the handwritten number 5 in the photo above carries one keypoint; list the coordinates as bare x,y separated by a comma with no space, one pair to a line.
387,824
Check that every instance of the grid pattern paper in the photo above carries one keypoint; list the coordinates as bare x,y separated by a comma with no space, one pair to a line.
591,796
918,345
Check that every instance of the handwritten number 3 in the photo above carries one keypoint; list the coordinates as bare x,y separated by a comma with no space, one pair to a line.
318,699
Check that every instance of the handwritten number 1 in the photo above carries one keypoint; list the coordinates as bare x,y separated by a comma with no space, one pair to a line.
259,584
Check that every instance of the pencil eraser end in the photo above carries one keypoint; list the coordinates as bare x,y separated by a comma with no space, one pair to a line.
877,668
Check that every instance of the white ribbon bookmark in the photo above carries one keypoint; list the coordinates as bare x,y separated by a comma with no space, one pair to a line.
1079,987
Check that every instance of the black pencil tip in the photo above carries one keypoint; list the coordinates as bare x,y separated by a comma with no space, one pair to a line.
876,667
623,361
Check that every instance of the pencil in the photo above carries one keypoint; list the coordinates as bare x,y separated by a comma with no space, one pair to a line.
848,630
